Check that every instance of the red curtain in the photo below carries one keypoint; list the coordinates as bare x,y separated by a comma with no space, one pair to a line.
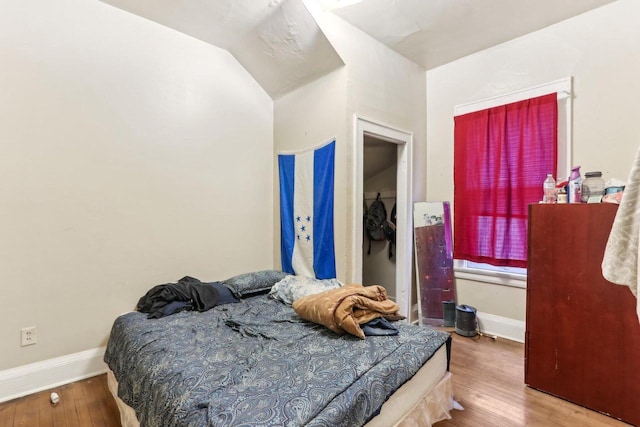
501,157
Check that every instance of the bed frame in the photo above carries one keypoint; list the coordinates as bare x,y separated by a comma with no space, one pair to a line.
422,401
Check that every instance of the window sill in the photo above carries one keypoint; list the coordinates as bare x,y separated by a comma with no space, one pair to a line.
496,278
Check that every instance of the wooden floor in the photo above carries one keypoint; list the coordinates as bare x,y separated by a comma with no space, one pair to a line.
488,377
82,404
489,384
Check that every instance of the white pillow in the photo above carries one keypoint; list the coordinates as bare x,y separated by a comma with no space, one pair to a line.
291,288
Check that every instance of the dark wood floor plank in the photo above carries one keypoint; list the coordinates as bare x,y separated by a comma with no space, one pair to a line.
95,402
7,414
58,409
81,404
27,412
69,405
45,410
108,407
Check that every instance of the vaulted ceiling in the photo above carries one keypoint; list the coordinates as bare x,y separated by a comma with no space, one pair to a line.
277,41
434,32
281,45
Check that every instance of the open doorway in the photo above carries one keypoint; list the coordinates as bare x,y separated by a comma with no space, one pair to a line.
401,142
379,177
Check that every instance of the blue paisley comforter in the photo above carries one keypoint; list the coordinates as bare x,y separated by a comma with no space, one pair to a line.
256,363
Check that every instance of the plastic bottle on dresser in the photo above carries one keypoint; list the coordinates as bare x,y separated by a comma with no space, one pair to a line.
574,192
549,188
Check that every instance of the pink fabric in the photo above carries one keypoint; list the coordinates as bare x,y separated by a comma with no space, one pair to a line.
501,157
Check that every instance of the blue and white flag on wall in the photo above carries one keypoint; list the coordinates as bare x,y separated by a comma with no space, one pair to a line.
306,212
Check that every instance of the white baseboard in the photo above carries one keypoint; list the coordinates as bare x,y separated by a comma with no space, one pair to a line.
501,326
39,376
491,324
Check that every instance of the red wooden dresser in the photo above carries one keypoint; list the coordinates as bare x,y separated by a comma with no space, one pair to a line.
582,341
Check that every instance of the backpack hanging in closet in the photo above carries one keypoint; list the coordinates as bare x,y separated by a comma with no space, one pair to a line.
375,219
390,230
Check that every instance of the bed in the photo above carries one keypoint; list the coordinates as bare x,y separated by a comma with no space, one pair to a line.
256,362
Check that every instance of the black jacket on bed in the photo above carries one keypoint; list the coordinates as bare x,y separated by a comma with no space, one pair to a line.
161,300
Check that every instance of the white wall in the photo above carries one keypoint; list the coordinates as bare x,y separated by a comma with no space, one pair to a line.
601,50
381,86
307,117
132,155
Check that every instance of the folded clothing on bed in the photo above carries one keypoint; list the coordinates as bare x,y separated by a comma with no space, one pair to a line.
344,309
379,327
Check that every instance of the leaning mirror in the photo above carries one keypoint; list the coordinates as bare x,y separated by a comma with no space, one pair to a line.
434,263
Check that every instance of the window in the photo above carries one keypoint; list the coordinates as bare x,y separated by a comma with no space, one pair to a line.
504,147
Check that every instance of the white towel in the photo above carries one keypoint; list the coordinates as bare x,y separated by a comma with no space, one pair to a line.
620,261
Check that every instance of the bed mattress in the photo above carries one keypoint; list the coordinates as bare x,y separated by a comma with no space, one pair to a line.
257,363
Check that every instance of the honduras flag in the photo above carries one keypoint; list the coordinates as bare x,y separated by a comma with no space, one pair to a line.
306,212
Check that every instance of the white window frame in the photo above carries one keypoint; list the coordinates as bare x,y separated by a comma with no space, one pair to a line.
507,276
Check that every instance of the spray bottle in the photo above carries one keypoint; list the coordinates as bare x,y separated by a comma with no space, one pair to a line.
574,192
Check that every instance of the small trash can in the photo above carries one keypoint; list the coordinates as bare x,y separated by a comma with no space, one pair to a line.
466,323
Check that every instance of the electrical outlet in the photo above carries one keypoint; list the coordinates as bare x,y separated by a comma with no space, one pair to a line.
28,336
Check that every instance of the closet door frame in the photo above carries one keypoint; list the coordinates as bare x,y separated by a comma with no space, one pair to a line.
404,236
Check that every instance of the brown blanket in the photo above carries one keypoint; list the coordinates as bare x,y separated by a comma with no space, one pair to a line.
344,309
